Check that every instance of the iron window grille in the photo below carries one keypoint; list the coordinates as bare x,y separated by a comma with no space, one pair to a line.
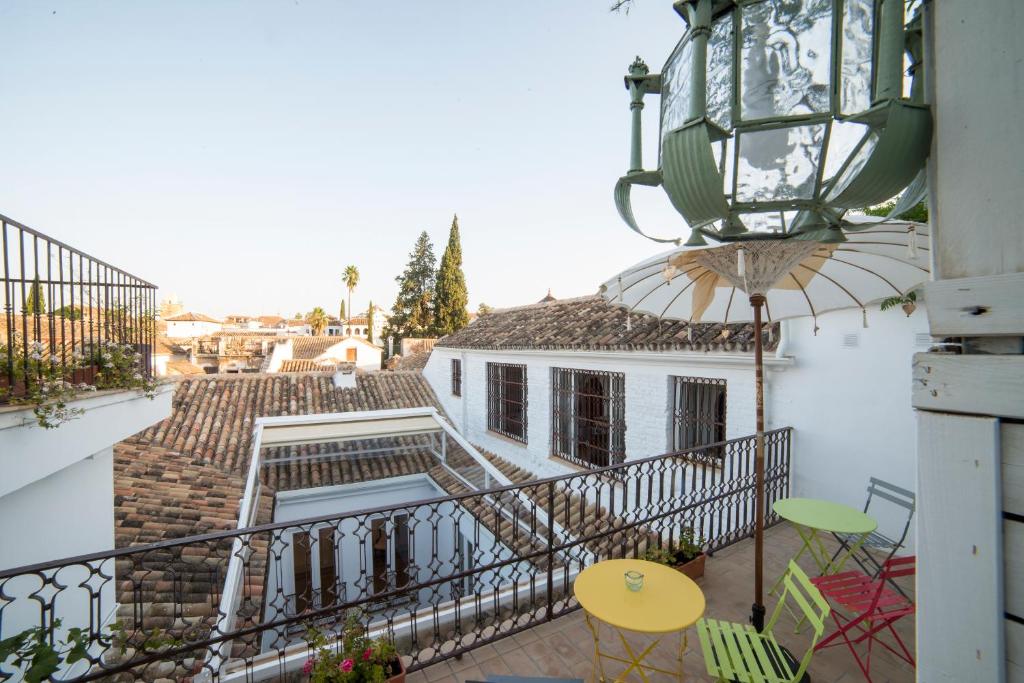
588,416
506,400
698,413
456,377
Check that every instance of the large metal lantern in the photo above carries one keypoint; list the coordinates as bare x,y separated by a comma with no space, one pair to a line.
779,116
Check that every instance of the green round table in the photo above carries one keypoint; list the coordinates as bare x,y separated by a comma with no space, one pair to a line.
809,516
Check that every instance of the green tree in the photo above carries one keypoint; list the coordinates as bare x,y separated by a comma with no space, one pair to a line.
35,301
450,296
412,315
918,212
369,322
351,278
317,320
483,309
341,312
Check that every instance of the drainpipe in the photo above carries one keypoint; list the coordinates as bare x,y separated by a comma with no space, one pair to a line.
784,332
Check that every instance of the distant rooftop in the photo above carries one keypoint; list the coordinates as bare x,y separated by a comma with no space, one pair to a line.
192,317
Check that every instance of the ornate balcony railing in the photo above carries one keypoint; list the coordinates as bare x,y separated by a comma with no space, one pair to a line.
61,307
441,576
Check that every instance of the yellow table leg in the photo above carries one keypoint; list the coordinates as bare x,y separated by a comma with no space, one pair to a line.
634,660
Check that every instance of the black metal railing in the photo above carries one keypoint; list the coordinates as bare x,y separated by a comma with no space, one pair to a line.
61,307
441,577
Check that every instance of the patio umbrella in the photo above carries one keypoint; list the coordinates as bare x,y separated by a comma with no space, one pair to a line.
781,278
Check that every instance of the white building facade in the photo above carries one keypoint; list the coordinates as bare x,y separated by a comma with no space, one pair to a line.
843,391
192,325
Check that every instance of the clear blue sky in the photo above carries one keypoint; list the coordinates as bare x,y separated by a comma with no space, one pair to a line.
240,154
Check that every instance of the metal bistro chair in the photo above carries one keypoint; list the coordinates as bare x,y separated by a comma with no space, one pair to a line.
880,493
870,609
737,652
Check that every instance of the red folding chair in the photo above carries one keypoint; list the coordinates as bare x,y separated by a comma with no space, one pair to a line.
864,607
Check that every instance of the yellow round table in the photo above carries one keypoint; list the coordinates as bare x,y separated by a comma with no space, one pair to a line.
669,602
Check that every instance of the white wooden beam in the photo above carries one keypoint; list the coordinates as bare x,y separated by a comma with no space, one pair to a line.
1013,468
960,627
977,385
976,306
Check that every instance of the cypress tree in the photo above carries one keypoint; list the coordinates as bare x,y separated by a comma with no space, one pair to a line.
450,296
35,301
412,314
369,322
341,313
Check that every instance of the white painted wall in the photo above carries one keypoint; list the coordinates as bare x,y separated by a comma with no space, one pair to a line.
191,328
648,412
851,406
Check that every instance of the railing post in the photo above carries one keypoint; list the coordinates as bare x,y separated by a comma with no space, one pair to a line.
551,548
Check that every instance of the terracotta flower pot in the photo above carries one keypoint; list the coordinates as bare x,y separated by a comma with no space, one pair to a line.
694,568
400,676
909,308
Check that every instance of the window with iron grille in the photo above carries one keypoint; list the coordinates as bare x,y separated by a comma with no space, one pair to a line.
588,416
456,377
698,412
506,400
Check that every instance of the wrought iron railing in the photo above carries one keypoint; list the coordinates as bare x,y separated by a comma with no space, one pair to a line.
60,308
475,568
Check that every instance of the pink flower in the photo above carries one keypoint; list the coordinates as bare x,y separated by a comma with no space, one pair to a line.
367,654
346,665
308,666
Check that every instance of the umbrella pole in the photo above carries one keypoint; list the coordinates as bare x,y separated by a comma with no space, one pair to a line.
757,609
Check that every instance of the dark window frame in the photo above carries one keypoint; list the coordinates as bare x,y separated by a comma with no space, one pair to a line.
698,408
456,377
588,428
507,400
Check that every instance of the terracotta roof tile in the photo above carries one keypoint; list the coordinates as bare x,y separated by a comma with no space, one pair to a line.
590,323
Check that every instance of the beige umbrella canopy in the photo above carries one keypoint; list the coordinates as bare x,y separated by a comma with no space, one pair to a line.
787,278
797,278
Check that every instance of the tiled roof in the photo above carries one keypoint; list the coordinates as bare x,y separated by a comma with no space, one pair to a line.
300,365
183,367
192,317
590,323
311,347
212,417
414,361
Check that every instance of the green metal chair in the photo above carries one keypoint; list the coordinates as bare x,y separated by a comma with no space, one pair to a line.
737,652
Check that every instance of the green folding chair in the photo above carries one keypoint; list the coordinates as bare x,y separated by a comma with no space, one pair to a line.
737,652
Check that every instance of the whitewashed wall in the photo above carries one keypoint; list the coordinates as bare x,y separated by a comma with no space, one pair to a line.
648,413
851,405
179,329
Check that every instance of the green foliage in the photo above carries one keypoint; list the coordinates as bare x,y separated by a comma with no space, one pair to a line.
483,309
351,278
35,301
39,652
450,296
70,312
317,319
917,213
413,313
899,300
686,548
352,657
370,314
341,312
46,381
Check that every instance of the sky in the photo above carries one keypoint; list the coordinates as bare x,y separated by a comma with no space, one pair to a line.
241,154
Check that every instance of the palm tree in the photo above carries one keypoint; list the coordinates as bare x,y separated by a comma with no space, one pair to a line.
351,278
317,320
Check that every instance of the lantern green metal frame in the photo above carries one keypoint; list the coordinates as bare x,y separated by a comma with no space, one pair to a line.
889,157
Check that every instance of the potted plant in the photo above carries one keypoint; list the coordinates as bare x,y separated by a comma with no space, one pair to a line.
908,302
352,657
686,555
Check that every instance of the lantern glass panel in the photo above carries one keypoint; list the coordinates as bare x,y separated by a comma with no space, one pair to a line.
786,58
779,163
719,81
676,76
854,167
855,91
842,142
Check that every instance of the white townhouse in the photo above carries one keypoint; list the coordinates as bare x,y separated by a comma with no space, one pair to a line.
192,325
571,383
